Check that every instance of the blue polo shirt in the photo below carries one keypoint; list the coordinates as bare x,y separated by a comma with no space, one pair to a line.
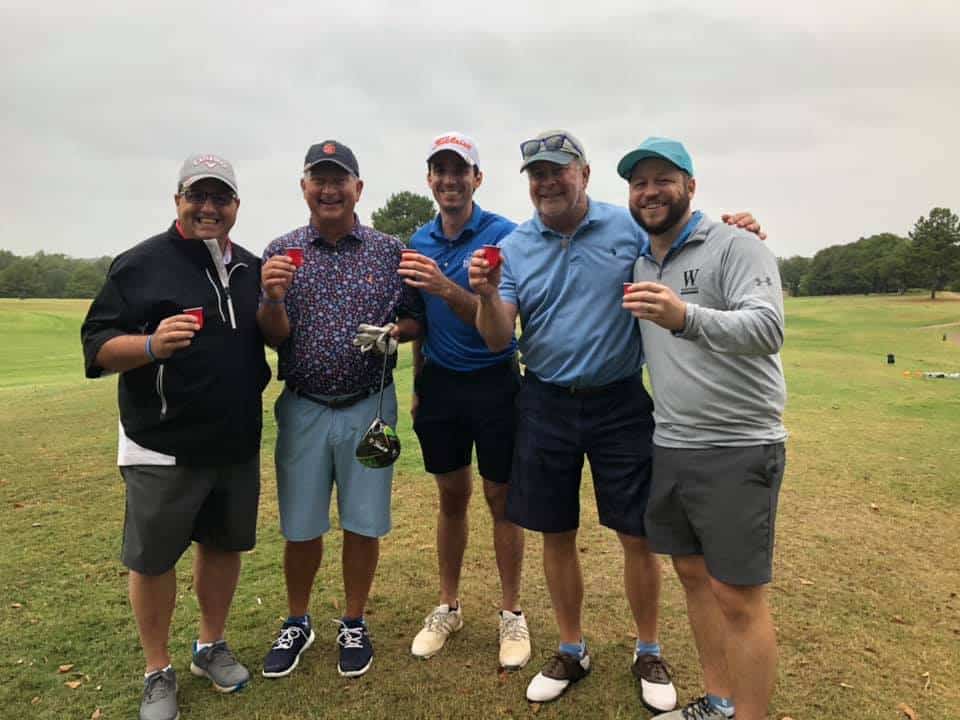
449,342
568,291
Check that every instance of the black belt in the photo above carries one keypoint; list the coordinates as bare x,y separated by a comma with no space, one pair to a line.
340,401
580,391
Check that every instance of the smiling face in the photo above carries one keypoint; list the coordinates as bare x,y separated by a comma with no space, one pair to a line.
453,181
559,193
331,194
660,195
207,219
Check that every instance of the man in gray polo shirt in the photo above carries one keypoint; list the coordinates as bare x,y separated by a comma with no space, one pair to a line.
708,301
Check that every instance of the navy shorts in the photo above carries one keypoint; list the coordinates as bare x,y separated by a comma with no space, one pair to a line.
458,410
611,426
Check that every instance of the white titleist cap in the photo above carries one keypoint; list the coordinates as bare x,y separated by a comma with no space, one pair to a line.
462,145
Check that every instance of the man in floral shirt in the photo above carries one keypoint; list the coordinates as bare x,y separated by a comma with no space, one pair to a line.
320,282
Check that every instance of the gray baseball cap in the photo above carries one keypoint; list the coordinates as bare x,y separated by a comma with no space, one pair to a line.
198,167
556,146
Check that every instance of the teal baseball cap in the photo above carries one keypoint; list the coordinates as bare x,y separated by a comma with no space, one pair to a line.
656,147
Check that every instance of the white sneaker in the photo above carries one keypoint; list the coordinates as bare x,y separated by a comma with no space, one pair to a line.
437,627
557,675
514,641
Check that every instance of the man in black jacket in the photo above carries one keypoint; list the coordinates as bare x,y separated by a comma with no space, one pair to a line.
176,318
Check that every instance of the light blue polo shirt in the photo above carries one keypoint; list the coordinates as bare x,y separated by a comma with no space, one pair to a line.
449,341
569,290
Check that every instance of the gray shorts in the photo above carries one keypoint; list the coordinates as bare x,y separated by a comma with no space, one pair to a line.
720,503
168,506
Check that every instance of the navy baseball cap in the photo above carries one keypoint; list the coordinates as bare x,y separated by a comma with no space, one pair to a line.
656,147
334,152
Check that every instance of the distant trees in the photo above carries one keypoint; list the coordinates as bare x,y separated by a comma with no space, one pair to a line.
792,271
929,258
936,249
50,276
402,214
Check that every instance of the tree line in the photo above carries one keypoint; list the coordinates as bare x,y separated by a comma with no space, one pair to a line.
928,258
50,276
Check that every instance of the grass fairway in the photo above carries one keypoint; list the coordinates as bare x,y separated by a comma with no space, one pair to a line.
866,593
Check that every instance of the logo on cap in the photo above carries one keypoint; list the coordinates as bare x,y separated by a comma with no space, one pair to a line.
329,149
210,161
452,140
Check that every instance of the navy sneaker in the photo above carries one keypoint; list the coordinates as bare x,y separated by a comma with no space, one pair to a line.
286,651
356,650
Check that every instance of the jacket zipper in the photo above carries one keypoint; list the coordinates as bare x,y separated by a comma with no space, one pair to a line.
226,289
163,398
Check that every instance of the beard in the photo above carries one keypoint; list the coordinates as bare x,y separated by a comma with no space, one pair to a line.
675,213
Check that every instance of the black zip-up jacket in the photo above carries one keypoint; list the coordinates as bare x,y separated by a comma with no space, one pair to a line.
202,404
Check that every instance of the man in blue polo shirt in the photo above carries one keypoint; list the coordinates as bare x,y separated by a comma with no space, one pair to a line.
563,272
463,395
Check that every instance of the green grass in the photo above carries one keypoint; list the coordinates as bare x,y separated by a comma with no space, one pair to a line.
866,583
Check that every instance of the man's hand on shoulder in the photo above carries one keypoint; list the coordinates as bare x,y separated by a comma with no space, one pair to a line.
746,221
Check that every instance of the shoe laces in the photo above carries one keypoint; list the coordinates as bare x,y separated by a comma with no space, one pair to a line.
287,637
655,668
350,637
157,686
439,621
513,627
700,709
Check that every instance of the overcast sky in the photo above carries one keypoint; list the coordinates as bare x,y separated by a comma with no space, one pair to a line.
828,120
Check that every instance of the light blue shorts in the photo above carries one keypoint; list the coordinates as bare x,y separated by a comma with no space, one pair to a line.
315,450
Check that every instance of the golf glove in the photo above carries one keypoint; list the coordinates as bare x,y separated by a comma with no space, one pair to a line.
370,337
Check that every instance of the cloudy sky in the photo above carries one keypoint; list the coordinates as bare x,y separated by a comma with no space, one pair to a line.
828,120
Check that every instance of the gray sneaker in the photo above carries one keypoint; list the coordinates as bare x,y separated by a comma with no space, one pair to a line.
160,696
699,709
218,664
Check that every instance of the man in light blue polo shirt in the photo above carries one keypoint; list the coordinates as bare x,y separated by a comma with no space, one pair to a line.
463,395
563,271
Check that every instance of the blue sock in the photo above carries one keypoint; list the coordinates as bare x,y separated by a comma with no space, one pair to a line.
301,620
578,650
353,622
724,705
645,648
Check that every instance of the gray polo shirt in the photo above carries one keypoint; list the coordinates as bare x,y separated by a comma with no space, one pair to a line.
719,381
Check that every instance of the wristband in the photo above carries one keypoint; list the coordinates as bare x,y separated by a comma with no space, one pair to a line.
149,349
267,300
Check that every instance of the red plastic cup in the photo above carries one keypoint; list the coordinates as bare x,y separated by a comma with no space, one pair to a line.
197,314
491,253
296,256
626,288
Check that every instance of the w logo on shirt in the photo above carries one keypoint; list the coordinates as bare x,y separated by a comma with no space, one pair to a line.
690,282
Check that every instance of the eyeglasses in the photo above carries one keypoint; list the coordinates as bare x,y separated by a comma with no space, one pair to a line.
200,197
551,143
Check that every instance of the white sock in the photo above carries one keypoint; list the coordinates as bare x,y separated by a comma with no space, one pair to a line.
148,674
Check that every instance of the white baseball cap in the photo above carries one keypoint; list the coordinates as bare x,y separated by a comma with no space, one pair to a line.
463,145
